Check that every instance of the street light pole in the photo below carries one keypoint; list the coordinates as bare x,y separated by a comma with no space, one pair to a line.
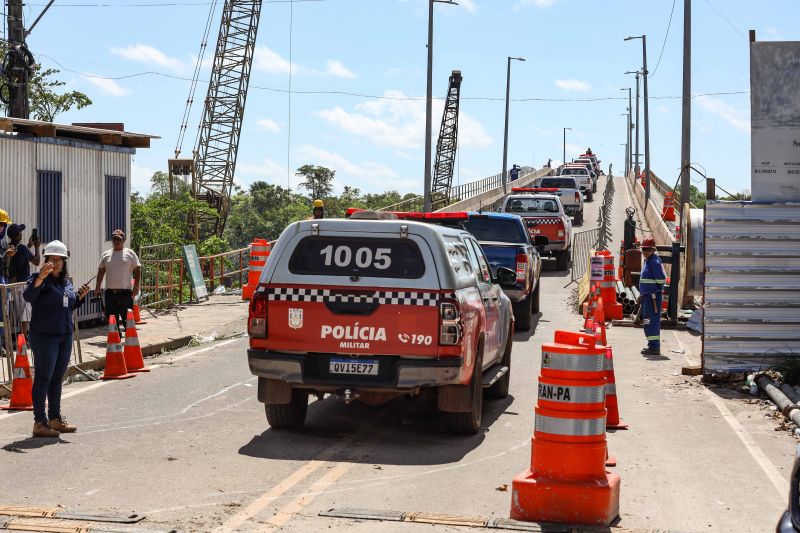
686,117
504,172
636,155
646,120
627,143
628,133
564,161
427,207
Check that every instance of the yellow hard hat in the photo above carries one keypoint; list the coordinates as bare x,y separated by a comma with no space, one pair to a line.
4,218
319,204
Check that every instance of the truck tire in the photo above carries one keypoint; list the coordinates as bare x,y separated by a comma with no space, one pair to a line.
594,187
562,260
535,298
589,196
499,390
522,314
290,415
579,218
470,422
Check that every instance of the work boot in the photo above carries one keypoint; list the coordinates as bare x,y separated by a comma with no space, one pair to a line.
60,424
650,351
43,430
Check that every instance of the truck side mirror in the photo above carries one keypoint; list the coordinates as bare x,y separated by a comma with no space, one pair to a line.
506,276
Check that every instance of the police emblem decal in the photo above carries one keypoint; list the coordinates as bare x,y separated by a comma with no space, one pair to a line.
295,318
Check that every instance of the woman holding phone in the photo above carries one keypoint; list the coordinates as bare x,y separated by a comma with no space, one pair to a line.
52,298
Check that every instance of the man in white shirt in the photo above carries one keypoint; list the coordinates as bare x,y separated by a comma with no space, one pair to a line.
117,266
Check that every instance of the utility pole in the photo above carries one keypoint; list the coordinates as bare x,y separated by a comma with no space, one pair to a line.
636,169
646,126
627,142
686,137
564,162
17,73
630,130
504,176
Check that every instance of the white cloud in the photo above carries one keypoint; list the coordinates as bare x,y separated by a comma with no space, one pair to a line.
140,178
541,4
334,67
267,124
144,53
374,172
272,62
738,118
662,108
399,122
469,5
573,85
774,34
106,86
269,170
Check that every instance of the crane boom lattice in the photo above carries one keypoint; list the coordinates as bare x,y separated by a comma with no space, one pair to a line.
447,145
221,125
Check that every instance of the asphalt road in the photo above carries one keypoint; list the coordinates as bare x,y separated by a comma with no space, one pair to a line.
188,445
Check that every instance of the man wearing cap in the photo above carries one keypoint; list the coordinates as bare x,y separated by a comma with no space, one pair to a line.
5,220
651,284
117,266
20,269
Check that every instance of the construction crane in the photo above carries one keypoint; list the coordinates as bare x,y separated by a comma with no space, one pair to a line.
447,145
212,168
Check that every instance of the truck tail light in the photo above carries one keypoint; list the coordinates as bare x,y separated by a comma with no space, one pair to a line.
257,318
449,323
561,228
522,267
577,197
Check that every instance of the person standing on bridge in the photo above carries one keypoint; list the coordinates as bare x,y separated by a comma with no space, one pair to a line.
514,173
118,265
319,209
651,283
53,299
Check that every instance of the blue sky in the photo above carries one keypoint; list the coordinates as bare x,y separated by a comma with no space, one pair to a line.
574,50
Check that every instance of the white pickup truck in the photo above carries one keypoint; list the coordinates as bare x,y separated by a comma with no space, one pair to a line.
568,190
583,173
548,225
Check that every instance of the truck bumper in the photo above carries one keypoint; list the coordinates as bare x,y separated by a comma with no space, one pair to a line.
395,373
516,295
571,210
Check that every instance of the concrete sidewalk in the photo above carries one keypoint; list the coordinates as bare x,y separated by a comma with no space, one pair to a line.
218,317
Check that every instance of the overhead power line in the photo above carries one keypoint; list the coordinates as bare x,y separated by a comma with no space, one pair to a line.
163,4
383,96
664,44
723,17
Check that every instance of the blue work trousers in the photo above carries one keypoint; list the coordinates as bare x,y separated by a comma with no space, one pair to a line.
51,355
651,318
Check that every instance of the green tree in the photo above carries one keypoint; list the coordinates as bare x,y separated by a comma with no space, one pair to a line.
697,198
318,181
739,196
44,99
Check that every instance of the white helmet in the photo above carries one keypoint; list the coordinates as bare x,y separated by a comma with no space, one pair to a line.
56,248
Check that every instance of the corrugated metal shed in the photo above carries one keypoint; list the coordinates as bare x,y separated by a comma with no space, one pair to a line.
752,285
83,167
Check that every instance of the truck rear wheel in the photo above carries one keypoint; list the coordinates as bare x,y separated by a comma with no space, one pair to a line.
290,415
579,218
470,421
589,196
522,314
594,187
562,260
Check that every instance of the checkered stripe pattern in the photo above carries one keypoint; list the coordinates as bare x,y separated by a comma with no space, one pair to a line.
543,221
292,294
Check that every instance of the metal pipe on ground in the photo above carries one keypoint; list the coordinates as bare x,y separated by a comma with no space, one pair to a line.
790,393
784,404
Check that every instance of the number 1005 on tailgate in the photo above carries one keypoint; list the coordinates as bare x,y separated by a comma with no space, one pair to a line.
366,367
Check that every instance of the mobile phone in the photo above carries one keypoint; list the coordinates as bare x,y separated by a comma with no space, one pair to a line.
35,234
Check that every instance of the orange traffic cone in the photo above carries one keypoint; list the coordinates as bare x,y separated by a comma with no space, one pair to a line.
115,359
567,481
134,360
137,317
613,421
22,383
600,324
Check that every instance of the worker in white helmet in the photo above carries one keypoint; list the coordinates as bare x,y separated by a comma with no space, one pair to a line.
53,299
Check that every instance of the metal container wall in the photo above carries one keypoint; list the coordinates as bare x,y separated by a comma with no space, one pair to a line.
752,285
83,166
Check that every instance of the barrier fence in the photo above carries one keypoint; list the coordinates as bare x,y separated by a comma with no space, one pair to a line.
597,238
165,281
